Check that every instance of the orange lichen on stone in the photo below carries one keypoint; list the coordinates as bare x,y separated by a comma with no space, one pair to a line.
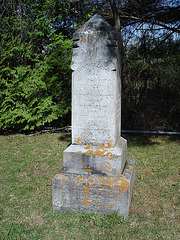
130,170
79,141
108,144
87,190
88,170
98,153
56,177
90,180
117,187
102,205
124,184
64,179
89,152
96,142
79,152
80,161
78,167
74,184
88,147
81,166
110,181
101,146
103,169
84,40
101,179
80,177
109,155
104,152
70,156
108,167
95,179
86,202
111,207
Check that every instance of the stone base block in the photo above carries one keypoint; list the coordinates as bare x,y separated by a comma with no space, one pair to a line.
106,159
94,193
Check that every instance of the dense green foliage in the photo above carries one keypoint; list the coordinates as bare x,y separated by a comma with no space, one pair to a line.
35,56
34,66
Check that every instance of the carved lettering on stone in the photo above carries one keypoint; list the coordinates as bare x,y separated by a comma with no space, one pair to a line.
95,83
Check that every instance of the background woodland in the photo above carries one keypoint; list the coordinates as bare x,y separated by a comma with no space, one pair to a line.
36,51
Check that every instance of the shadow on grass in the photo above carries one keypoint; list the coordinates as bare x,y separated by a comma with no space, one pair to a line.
174,138
138,139
148,139
134,139
65,137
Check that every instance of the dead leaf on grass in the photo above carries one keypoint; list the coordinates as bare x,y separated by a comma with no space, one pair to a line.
160,147
34,218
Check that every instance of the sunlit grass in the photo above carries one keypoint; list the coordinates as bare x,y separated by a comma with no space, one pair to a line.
28,164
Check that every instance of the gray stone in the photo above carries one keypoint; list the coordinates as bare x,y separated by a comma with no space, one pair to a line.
94,193
105,158
96,92
96,175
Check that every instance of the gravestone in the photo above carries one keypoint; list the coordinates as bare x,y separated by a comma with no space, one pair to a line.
96,175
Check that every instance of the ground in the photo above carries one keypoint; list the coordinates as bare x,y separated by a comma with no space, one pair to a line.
28,163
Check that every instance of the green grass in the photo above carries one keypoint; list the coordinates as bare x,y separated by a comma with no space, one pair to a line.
28,164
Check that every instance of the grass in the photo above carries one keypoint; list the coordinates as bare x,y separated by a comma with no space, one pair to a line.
28,164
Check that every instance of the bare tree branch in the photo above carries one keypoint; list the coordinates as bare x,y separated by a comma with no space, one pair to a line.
173,29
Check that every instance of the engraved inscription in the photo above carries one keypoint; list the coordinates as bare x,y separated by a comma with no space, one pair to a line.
95,86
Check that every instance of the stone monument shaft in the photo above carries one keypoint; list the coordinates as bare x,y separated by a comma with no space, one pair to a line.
96,174
96,92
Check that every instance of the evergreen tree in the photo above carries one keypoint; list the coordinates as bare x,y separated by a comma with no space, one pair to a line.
35,60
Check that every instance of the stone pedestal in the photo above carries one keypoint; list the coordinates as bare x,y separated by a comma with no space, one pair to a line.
107,159
93,192
97,177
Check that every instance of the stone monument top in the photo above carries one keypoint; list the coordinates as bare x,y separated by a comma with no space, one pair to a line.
95,44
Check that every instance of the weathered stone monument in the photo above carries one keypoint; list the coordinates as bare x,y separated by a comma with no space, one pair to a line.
97,176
